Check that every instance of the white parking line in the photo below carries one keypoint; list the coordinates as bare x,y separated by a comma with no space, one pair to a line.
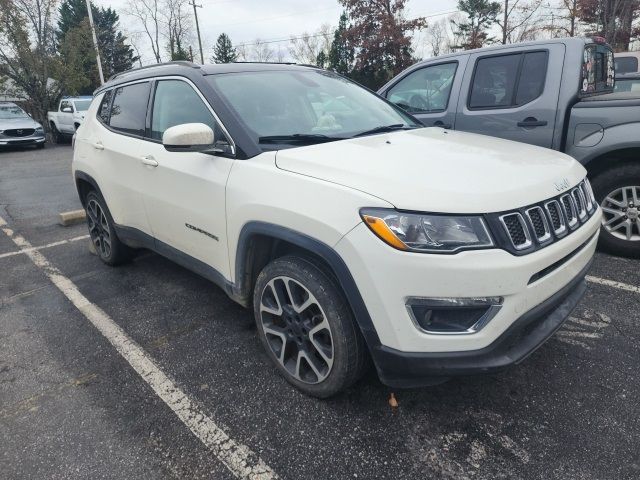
238,458
49,245
614,284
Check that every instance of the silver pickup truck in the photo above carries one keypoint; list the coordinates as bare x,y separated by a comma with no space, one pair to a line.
552,93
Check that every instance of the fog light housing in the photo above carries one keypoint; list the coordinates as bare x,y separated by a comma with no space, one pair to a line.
452,316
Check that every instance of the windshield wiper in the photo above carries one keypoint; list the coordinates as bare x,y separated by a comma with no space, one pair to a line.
384,129
298,137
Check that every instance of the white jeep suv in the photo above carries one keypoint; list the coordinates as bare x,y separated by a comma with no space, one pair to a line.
353,233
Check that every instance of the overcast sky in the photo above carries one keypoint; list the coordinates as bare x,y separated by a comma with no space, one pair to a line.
246,20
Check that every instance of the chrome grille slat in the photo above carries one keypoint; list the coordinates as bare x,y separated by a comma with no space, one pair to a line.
517,230
557,218
570,211
580,202
539,223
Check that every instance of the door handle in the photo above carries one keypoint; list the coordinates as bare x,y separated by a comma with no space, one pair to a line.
532,122
149,161
439,123
98,145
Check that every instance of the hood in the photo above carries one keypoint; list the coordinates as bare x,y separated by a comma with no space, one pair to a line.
26,122
436,170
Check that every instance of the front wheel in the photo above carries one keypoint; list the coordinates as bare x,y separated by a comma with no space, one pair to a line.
618,192
307,327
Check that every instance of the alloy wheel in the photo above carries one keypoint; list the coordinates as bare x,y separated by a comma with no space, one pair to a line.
621,210
99,228
297,330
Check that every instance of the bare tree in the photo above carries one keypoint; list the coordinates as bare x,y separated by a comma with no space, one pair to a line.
177,27
564,19
262,52
436,37
27,57
519,20
149,15
307,47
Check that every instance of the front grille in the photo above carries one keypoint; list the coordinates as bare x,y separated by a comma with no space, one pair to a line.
19,132
536,226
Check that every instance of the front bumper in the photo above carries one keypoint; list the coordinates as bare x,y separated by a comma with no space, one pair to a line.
538,290
11,141
523,337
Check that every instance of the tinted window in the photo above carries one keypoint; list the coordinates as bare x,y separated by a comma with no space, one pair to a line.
425,90
532,76
627,85
626,64
175,103
129,108
103,111
496,80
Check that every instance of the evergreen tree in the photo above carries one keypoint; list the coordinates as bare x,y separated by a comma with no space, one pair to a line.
224,51
73,26
481,15
341,54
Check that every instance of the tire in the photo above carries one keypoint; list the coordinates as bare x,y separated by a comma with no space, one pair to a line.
620,231
108,246
310,316
55,133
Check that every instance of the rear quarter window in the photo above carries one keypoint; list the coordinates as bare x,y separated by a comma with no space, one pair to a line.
103,110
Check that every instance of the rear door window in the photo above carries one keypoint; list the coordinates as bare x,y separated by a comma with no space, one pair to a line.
425,90
506,81
129,108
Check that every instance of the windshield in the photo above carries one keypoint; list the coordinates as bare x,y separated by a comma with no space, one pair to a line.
306,105
11,111
82,105
627,85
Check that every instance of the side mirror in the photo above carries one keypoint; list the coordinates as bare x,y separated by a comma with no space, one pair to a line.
188,137
67,110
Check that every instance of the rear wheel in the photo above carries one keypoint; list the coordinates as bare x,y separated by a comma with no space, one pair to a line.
102,232
618,193
307,328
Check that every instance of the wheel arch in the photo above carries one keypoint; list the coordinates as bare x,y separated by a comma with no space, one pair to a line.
612,159
260,242
84,184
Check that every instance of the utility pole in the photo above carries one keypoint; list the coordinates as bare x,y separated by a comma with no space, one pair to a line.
195,13
95,41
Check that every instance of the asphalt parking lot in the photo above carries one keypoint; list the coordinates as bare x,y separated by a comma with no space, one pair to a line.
98,366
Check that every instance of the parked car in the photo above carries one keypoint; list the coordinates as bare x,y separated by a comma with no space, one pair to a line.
627,62
18,128
67,119
310,200
551,93
628,82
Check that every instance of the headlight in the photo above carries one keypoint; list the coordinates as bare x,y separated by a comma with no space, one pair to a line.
427,233
39,130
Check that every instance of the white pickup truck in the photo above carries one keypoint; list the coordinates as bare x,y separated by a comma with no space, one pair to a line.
68,118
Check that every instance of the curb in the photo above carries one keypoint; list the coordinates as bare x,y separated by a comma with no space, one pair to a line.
71,218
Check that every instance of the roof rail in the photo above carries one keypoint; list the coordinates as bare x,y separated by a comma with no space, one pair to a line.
267,63
184,63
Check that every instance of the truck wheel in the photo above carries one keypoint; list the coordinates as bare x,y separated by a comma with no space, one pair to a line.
618,192
102,232
55,133
307,327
